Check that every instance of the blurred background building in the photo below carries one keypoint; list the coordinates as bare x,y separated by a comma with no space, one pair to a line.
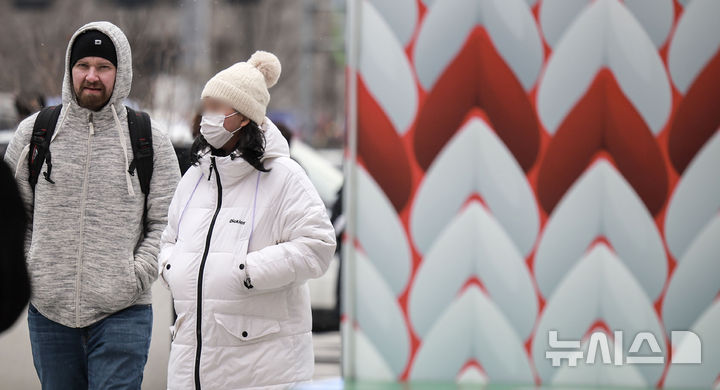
179,44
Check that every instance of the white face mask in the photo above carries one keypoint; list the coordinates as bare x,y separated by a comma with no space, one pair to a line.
211,127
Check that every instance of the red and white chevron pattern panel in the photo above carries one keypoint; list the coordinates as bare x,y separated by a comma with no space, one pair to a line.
533,166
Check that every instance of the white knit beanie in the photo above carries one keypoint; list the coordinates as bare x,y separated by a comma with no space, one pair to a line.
244,85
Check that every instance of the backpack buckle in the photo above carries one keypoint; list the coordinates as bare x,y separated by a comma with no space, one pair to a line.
144,148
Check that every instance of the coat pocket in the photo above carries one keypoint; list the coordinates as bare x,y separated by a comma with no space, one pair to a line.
132,274
176,326
245,328
165,268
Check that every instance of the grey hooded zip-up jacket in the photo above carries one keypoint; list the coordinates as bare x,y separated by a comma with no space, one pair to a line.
86,254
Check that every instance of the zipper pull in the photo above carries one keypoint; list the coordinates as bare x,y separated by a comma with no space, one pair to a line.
92,127
212,165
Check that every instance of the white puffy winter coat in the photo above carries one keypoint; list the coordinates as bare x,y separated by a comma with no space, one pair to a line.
257,337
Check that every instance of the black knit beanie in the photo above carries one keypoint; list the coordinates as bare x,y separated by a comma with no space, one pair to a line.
93,43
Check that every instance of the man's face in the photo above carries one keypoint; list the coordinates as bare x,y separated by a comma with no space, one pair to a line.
93,81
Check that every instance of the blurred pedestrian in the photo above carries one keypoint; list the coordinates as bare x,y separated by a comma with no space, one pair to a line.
95,223
246,230
285,131
27,103
14,282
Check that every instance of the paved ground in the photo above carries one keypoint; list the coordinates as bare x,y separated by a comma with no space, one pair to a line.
327,355
16,366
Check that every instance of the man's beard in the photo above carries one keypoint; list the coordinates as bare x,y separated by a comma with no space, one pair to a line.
92,101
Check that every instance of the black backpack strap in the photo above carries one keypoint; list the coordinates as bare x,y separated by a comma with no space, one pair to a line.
142,147
39,153
140,130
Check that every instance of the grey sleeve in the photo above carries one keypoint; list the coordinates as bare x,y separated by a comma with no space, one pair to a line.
165,177
16,159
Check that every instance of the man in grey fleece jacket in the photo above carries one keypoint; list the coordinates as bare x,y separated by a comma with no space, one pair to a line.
90,262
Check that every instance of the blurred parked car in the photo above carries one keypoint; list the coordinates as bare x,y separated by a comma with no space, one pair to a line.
327,178
8,120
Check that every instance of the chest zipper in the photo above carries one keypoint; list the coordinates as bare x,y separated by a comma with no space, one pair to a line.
78,273
198,321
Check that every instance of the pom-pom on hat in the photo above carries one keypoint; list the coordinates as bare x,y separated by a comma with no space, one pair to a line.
244,85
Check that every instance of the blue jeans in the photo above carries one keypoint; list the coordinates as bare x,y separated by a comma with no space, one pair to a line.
109,354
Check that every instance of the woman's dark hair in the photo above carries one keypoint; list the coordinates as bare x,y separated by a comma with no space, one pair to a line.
251,146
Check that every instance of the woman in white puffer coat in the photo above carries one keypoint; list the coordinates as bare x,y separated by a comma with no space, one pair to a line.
246,230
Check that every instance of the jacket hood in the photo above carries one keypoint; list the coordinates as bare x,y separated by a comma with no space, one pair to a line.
123,78
275,144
